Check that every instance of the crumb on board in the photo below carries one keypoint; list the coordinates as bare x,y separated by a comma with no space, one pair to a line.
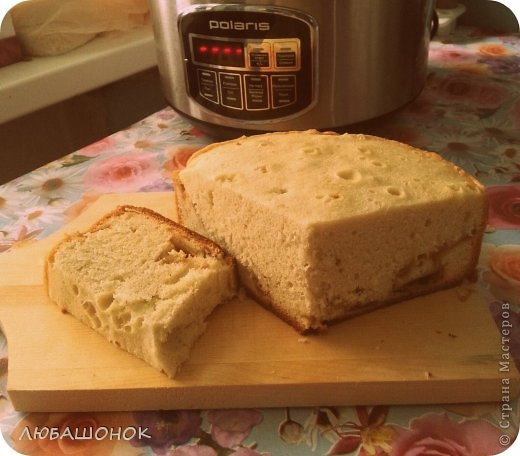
428,375
303,340
464,292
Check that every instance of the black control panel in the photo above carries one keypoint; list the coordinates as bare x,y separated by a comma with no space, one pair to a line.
247,64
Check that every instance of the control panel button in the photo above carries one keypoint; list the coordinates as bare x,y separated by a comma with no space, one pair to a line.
285,59
257,93
231,90
283,89
208,85
286,54
259,55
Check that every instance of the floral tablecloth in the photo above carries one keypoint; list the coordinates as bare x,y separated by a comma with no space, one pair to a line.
469,112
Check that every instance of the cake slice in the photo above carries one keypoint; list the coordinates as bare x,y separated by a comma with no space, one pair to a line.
144,282
325,226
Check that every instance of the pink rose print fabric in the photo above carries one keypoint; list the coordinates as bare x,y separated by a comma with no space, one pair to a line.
438,435
123,173
231,427
504,207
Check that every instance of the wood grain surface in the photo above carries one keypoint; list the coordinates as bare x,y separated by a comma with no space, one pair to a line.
441,348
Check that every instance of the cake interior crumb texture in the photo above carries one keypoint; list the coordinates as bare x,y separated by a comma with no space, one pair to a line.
143,282
324,226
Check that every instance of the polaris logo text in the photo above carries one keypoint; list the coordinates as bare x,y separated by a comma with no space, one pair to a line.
239,25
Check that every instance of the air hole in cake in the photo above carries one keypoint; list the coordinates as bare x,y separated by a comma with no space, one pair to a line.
454,187
95,321
263,169
376,163
395,191
89,308
365,151
91,313
75,289
121,319
127,328
349,174
105,301
335,196
225,178
311,151
279,191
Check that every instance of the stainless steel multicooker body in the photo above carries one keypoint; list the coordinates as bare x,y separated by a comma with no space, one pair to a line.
290,64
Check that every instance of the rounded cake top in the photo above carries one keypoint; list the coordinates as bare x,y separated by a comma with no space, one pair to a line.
322,177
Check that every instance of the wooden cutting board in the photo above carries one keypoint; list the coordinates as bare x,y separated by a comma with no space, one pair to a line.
436,349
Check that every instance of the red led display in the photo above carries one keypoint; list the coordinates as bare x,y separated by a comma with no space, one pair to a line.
218,52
